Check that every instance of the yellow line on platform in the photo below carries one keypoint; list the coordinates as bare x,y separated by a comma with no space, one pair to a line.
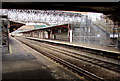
21,44
24,48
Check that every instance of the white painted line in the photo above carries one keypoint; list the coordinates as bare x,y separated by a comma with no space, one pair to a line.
21,44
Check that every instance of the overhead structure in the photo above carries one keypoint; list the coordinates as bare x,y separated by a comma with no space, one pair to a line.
48,17
13,25
108,8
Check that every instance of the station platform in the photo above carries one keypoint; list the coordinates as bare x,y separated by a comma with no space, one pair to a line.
24,62
86,46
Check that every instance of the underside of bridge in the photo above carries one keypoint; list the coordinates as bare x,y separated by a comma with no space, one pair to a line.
14,26
108,8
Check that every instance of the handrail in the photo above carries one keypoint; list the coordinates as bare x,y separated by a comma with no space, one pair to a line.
101,27
106,26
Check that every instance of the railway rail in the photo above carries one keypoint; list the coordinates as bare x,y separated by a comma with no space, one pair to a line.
84,49
96,61
69,63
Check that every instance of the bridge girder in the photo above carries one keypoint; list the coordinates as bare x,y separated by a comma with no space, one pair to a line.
108,8
44,16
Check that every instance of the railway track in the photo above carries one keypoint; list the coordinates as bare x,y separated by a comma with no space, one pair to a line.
78,56
73,67
102,53
107,65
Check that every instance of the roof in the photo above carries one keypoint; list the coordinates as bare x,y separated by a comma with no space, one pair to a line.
43,28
